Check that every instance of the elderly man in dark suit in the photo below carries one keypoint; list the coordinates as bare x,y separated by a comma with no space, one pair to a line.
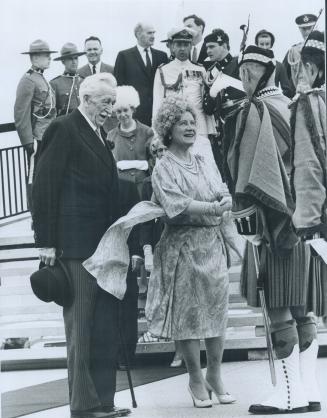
75,194
93,50
137,67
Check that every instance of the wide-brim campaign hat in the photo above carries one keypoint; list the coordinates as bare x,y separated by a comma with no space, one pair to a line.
306,20
38,47
69,50
52,284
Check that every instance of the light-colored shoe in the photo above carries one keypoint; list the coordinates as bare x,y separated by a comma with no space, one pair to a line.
224,398
199,403
176,363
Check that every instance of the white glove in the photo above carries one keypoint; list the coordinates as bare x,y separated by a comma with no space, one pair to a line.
148,258
47,256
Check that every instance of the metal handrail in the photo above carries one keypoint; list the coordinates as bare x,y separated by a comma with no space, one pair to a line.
13,177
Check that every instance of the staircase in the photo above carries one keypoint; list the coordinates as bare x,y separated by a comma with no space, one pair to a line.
22,315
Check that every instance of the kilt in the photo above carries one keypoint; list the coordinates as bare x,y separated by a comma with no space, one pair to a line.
286,278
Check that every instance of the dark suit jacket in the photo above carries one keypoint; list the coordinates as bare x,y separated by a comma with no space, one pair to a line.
282,81
130,70
203,54
85,71
75,188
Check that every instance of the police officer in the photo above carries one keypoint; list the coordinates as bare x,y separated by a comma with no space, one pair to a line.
183,77
66,86
305,24
35,105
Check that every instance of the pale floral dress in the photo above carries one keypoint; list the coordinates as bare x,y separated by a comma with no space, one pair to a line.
188,288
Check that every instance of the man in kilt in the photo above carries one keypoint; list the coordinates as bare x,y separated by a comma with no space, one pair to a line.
258,138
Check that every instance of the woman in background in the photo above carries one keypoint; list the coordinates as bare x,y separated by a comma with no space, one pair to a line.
130,139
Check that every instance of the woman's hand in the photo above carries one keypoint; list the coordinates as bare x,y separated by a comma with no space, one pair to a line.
47,256
226,203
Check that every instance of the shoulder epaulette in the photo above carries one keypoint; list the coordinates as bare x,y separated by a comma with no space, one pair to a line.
58,76
163,64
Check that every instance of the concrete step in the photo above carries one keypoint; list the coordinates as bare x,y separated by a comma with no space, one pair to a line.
55,357
51,324
19,254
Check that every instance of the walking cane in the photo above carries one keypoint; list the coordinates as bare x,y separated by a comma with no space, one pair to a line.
128,370
265,318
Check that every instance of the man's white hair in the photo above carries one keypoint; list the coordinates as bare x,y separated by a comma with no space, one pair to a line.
126,96
95,83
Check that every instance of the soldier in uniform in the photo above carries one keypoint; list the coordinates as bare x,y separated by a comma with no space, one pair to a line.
35,102
221,61
183,77
35,105
305,23
66,86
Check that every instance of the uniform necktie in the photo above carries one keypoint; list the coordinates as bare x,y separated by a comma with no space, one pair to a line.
94,69
148,61
194,55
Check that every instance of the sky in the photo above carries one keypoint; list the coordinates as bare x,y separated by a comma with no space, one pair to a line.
113,21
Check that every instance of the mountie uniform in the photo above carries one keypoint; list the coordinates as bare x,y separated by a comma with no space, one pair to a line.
186,79
34,107
66,87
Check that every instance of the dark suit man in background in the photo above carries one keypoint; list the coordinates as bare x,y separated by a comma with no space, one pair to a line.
75,193
137,67
266,40
199,51
93,50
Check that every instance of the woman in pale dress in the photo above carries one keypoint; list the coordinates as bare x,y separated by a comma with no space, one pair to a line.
188,291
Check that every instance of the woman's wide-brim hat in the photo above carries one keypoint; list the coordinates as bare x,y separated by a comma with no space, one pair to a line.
69,50
52,284
39,47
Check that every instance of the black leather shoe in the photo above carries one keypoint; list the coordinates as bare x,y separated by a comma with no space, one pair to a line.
116,412
92,414
314,406
272,410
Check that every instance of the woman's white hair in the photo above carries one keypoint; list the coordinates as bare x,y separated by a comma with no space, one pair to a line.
95,83
126,96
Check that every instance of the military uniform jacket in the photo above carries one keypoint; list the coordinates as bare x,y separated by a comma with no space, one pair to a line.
66,88
34,107
186,79
228,66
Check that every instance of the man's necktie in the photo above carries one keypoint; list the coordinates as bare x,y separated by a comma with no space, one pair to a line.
94,69
194,55
98,132
148,61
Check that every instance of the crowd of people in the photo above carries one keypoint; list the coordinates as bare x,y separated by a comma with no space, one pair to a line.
206,146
